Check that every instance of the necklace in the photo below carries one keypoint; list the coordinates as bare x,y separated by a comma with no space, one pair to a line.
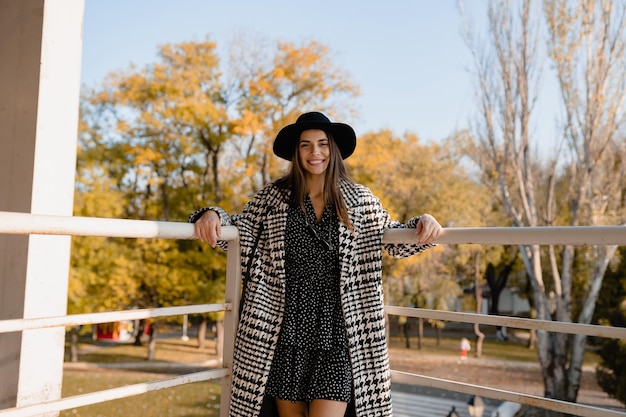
327,243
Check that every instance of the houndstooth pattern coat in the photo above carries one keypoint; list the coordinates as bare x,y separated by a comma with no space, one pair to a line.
360,251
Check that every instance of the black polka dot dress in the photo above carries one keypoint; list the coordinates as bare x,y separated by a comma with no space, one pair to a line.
311,359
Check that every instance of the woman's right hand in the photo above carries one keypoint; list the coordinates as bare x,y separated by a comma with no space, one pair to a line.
208,228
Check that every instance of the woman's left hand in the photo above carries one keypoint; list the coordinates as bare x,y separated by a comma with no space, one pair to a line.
428,229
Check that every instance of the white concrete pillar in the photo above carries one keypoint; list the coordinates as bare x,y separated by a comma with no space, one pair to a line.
40,55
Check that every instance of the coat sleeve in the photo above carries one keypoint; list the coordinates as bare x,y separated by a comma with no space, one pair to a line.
225,219
397,250
403,250
248,221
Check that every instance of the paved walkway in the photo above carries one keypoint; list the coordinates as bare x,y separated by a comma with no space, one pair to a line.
433,403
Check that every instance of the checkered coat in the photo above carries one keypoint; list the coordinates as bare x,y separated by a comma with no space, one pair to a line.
360,252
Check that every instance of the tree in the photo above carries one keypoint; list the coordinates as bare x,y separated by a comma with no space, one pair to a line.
587,46
497,277
159,141
132,163
510,165
168,121
611,310
412,178
273,91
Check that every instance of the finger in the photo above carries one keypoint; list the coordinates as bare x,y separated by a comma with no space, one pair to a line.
421,238
425,238
206,232
422,231
204,226
199,232
430,228
428,233
203,231
214,234
434,234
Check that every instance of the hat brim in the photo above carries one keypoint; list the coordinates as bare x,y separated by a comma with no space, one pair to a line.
288,137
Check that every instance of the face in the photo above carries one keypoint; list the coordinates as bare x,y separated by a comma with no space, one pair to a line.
314,151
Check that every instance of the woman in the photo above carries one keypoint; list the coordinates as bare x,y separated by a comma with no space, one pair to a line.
311,336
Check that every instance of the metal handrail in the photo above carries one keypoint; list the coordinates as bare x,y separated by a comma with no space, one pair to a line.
25,223
18,325
514,322
112,394
504,395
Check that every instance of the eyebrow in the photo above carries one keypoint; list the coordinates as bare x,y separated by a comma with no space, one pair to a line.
314,140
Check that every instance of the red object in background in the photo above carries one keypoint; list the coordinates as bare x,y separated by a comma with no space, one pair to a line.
109,331
121,330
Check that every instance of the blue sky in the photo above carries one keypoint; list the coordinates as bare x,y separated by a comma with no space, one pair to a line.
408,57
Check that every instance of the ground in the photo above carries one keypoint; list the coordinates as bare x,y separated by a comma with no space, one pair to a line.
504,365
520,377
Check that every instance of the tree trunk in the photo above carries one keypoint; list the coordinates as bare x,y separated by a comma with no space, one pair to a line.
420,333
532,339
497,283
532,334
152,341
219,339
74,344
202,333
579,341
480,336
140,329
405,332
478,293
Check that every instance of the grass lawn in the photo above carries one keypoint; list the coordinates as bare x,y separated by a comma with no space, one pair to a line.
514,350
202,399
191,400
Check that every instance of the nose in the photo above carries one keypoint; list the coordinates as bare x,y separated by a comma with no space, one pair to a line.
317,149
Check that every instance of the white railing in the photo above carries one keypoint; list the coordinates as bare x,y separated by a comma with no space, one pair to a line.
25,223
21,223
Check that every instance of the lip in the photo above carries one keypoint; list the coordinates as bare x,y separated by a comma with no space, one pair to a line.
315,161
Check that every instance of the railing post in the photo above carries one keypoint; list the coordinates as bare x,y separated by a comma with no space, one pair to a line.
231,318
40,56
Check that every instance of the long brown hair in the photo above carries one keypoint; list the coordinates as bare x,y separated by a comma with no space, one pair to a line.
335,173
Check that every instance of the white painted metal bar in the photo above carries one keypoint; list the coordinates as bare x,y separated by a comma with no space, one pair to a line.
515,322
503,395
16,325
25,223
231,320
111,394
558,235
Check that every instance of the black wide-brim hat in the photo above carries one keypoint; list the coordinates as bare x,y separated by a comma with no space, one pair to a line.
288,137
